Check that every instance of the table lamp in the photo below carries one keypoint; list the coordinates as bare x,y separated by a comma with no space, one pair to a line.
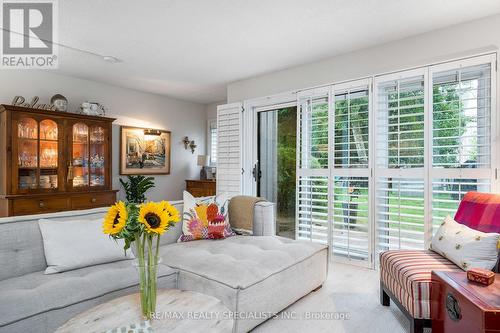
203,161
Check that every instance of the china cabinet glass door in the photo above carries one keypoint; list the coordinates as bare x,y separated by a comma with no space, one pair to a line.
48,154
88,156
27,147
97,153
37,154
80,155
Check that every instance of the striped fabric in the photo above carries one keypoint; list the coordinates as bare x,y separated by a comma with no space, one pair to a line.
480,211
407,274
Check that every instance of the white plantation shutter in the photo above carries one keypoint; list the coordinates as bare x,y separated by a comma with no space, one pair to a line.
380,171
400,161
350,132
313,131
400,214
400,123
229,149
312,209
351,126
213,142
462,126
312,166
351,218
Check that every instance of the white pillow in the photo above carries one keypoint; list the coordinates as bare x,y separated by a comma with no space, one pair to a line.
464,246
75,244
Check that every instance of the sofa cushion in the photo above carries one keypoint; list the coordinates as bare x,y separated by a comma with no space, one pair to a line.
37,293
66,245
239,261
21,245
407,274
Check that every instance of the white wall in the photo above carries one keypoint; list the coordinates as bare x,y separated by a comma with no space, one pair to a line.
211,109
440,45
131,108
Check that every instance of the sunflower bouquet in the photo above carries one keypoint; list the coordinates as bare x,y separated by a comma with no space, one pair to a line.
142,224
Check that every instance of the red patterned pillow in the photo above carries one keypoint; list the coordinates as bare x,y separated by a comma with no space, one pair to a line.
480,211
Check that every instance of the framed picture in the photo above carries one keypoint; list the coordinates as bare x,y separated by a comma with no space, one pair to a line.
144,151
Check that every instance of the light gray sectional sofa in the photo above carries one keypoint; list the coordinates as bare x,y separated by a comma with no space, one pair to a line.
249,274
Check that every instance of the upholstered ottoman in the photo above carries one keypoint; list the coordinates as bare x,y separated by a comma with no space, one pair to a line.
252,276
407,275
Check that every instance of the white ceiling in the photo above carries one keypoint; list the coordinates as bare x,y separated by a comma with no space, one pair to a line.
191,49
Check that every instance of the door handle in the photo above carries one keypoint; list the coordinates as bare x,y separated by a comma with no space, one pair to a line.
257,174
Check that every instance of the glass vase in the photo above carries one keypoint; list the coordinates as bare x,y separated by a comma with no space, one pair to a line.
147,267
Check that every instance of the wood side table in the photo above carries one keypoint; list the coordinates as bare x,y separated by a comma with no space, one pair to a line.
461,306
201,188
177,311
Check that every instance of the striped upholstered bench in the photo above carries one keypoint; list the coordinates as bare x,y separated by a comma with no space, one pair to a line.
405,276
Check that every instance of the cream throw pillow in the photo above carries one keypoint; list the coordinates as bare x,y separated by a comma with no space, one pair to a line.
464,246
75,244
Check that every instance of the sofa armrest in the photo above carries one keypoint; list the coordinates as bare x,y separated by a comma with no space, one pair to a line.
264,219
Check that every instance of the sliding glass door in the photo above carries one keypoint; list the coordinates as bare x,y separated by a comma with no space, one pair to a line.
276,167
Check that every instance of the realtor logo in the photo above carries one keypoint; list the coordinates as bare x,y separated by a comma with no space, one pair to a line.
28,34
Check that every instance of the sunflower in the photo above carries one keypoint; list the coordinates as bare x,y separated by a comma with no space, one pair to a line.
172,212
115,219
154,217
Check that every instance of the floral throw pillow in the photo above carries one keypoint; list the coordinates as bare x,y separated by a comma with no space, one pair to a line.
205,218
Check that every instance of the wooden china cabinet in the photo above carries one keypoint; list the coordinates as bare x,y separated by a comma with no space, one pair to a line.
53,161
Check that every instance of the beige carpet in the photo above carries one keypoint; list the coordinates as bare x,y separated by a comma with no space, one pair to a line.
348,289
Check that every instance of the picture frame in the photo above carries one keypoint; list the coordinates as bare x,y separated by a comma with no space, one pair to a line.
144,151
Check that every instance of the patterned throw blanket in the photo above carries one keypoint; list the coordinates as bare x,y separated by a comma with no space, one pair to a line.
241,210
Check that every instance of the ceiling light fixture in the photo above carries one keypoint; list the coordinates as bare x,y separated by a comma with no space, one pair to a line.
111,59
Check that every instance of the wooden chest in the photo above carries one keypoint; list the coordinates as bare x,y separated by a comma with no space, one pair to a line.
201,188
461,306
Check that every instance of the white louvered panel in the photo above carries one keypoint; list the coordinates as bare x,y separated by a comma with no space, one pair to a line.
312,209
213,145
350,232
461,136
400,123
400,214
229,149
463,125
313,133
351,128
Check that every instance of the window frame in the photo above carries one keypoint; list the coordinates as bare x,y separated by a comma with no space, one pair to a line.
211,124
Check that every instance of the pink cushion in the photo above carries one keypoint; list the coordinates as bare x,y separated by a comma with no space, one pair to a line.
480,211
